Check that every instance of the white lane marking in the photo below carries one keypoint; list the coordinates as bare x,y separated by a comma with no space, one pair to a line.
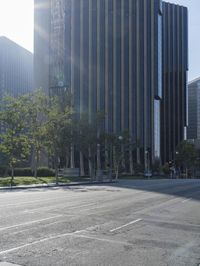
74,234
45,225
31,222
186,200
118,228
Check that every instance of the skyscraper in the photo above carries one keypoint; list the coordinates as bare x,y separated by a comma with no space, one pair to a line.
175,66
16,68
194,109
109,53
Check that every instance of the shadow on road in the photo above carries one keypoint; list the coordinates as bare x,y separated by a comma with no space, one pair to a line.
185,188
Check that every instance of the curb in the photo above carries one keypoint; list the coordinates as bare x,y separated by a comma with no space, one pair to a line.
56,186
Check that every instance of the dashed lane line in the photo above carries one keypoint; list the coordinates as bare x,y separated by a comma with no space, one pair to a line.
75,234
31,222
186,200
125,225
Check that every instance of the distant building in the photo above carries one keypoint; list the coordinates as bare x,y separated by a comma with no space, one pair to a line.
16,68
194,109
110,55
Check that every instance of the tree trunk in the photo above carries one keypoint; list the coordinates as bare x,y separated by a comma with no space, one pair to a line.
67,160
90,164
131,162
111,162
114,157
117,172
72,163
98,157
36,164
56,171
12,176
106,157
138,156
82,170
91,170
123,158
186,172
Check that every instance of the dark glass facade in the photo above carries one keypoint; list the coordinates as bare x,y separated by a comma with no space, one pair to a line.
175,66
113,62
194,109
16,69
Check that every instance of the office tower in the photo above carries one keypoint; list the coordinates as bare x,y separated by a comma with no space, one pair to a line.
16,69
109,53
194,109
175,66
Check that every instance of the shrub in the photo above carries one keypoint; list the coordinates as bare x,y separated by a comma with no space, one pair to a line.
42,171
45,172
165,169
138,168
3,170
22,171
156,168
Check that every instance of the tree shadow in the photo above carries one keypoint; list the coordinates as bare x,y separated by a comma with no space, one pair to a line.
183,188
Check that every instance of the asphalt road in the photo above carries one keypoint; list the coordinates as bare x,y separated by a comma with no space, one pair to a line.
134,223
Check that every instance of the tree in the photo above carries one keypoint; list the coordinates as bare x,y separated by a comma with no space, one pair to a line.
90,139
186,155
87,141
14,141
118,146
37,108
58,123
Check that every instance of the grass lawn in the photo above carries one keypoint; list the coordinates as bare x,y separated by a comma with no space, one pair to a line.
29,180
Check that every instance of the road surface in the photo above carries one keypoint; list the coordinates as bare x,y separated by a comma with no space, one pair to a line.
134,223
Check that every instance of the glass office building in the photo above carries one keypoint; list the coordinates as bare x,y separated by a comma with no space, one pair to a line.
175,66
194,109
16,69
109,53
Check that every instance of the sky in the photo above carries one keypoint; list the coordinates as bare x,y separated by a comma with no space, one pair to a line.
16,23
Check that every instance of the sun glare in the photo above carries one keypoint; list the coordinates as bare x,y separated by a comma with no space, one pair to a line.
16,21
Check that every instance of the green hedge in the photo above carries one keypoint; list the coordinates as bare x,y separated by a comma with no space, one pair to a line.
3,170
45,171
22,172
42,171
138,168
